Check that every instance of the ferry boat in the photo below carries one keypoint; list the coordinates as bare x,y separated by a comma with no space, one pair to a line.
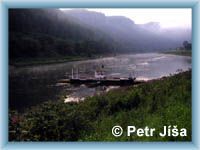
100,79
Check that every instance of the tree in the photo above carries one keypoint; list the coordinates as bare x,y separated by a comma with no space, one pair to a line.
187,45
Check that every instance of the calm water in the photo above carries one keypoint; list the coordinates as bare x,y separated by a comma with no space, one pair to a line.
32,85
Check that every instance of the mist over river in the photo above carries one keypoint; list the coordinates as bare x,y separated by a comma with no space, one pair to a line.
31,85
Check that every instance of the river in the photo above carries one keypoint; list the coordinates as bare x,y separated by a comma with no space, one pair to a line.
31,85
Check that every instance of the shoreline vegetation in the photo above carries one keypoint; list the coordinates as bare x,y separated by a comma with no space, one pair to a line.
163,102
46,61
180,52
54,60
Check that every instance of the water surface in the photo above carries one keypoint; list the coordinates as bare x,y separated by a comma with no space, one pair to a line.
29,86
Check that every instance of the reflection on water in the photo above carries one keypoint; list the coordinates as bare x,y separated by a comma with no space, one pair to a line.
83,91
29,86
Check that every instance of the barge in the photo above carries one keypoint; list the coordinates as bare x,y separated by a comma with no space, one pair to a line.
100,79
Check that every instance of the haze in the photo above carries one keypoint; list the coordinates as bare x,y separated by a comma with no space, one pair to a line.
75,32
166,17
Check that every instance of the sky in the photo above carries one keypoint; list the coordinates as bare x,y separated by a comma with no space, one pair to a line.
167,17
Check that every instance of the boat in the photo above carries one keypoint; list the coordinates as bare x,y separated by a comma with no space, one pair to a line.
100,79
104,81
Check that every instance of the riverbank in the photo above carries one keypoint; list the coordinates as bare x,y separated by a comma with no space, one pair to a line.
45,61
180,52
155,104
56,60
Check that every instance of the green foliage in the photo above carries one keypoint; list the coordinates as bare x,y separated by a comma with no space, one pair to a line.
154,104
187,45
25,47
48,33
180,52
52,122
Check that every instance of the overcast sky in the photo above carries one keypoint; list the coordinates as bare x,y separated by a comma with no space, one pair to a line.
167,17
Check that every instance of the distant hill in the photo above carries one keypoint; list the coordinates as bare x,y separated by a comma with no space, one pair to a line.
47,33
131,36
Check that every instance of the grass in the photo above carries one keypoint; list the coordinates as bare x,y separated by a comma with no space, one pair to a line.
154,104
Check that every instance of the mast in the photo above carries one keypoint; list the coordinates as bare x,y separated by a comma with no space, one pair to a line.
77,74
72,73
